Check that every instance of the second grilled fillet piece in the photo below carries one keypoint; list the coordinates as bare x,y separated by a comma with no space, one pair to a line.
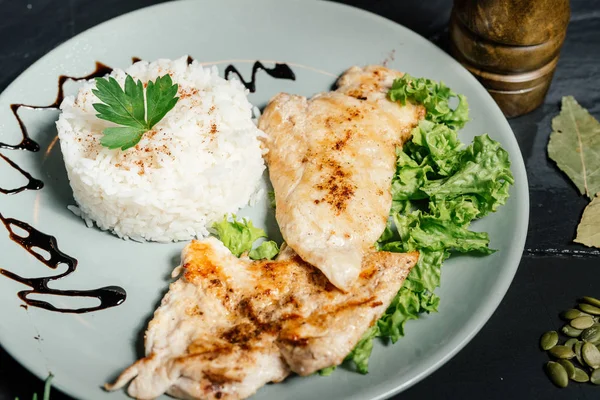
331,160
228,326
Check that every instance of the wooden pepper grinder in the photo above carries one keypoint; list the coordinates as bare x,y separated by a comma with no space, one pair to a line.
511,46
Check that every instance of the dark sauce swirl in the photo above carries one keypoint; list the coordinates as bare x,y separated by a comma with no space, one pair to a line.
26,142
280,71
33,184
29,144
109,296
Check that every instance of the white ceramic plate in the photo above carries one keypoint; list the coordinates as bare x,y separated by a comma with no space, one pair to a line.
319,40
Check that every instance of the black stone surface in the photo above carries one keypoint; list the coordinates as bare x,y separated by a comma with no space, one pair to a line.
502,361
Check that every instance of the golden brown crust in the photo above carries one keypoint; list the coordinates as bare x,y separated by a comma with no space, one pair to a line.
289,295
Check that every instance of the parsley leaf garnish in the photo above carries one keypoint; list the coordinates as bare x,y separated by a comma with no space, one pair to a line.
128,108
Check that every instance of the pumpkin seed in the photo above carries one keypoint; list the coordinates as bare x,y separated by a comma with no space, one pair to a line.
587,308
580,375
590,354
569,367
562,352
577,350
591,300
591,334
582,322
573,313
571,342
570,331
549,340
557,374
595,377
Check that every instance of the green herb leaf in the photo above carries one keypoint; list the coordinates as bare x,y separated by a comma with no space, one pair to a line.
238,236
161,99
428,270
434,234
461,210
484,172
435,96
266,250
362,351
126,107
575,146
588,231
121,107
410,178
433,153
326,371
122,137
411,301
437,145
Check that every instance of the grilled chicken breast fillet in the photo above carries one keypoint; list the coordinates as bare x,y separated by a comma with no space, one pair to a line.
331,160
230,325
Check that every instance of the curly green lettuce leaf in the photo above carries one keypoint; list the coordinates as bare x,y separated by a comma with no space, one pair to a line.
327,371
428,270
238,236
409,303
461,210
435,96
438,145
468,183
433,153
484,172
266,250
409,179
362,351
434,234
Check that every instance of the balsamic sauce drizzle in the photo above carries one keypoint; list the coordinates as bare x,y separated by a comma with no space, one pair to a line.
280,71
109,296
29,144
33,184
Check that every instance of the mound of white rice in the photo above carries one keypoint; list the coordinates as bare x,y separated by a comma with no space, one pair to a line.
201,161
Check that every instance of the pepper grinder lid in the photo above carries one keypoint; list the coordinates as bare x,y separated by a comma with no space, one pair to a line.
510,46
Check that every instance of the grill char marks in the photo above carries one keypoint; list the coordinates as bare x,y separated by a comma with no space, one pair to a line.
264,320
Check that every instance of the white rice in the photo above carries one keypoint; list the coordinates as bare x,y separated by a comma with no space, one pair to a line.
200,162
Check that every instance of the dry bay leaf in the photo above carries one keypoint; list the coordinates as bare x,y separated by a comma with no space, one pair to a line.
588,231
575,146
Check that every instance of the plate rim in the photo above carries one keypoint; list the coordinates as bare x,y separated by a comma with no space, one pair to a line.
513,255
